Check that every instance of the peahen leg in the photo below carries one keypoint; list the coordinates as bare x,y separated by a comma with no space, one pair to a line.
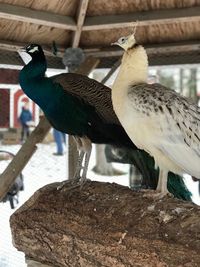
161,189
162,182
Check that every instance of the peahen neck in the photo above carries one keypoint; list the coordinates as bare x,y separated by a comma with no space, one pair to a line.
133,70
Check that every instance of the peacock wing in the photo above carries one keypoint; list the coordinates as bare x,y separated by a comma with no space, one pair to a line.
91,92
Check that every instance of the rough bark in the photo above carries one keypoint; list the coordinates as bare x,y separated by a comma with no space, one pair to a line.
106,225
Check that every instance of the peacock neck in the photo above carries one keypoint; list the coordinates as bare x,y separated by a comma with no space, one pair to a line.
34,83
36,67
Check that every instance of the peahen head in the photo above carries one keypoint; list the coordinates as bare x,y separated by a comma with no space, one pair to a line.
126,42
34,50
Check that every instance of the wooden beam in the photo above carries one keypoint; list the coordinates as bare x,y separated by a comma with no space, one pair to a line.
151,49
82,9
24,14
191,48
15,46
87,66
187,46
145,18
111,71
23,156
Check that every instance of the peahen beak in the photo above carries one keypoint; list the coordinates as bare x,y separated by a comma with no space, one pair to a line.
115,43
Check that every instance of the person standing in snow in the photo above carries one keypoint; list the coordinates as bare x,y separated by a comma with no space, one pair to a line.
60,140
25,118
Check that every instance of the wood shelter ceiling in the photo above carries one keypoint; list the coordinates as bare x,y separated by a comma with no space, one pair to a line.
166,27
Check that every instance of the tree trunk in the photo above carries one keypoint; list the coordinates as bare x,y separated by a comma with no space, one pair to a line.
106,225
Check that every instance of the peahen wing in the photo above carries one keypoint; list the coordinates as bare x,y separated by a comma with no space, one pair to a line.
173,124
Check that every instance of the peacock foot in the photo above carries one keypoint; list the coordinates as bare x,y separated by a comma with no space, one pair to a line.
73,183
156,194
69,182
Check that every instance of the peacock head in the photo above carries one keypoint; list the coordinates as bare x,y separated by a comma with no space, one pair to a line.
33,50
126,42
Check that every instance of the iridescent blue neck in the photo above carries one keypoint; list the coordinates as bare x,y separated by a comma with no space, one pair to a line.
35,68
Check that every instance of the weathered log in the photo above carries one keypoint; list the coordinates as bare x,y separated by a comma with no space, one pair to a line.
106,225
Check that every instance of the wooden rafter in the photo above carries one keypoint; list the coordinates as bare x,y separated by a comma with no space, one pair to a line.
15,46
80,20
145,18
174,50
164,16
153,49
188,46
38,17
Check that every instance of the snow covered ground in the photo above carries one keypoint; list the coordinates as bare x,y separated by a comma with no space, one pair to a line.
45,168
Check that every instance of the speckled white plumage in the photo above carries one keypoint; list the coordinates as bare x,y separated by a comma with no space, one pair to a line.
156,118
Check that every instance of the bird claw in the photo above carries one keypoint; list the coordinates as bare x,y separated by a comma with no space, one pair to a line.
156,194
73,183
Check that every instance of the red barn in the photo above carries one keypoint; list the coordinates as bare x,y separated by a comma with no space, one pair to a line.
12,99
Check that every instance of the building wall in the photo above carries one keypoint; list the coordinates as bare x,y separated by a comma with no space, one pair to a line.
4,108
11,103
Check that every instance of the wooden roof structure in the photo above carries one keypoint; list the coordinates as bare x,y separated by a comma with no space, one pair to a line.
169,29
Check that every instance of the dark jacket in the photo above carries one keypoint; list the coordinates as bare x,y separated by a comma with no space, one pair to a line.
25,116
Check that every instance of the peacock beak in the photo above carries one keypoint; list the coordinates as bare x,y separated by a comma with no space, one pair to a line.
21,50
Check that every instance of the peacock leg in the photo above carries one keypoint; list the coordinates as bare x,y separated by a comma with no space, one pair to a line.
87,148
77,176
85,167
79,166
84,145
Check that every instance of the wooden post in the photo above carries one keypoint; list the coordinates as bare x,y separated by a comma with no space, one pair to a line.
23,156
